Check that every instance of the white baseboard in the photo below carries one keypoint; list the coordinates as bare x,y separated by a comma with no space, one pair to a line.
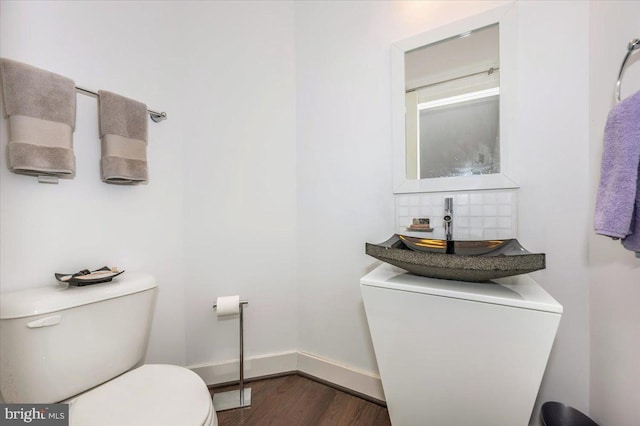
264,365
342,375
257,366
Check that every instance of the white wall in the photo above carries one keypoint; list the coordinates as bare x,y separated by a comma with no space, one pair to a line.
218,216
239,185
344,158
554,207
614,274
84,223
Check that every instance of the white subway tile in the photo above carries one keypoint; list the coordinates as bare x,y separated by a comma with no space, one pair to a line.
461,234
490,222
490,198
477,214
504,197
504,222
476,234
504,210
462,199
461,211
435,200
506,234
489,210
475,198
462,222
475,210
490,234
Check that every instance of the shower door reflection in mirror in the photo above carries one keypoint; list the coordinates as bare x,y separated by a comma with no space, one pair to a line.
453,106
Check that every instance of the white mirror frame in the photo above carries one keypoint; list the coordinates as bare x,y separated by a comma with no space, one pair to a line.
505,17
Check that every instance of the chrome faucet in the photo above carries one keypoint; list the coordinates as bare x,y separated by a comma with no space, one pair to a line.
448,218
448,224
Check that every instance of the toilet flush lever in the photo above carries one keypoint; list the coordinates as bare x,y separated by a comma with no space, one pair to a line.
45,322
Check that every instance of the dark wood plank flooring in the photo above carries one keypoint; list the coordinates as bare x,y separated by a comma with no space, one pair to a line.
295,400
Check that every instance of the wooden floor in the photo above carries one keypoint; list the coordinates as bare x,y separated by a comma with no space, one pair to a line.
295,400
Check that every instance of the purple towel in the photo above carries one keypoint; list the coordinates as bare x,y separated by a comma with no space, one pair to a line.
618,202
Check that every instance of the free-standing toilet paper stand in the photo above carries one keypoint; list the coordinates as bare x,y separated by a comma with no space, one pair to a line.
236,398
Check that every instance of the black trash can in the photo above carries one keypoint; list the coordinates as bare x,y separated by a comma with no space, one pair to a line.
558,414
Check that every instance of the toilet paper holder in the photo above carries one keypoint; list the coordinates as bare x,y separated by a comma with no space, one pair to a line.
236,398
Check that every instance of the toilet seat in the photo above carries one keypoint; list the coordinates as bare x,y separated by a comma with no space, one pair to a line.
154,395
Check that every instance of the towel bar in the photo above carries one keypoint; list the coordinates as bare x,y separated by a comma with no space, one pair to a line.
154,115
633,45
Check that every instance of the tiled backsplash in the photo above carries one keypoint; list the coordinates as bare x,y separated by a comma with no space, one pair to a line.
477,215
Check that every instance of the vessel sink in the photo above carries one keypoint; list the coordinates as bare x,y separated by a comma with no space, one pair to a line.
474,261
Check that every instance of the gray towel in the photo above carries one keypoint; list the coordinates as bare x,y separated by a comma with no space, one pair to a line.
41,107
123,134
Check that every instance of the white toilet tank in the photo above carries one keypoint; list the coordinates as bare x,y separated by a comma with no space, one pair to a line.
59,341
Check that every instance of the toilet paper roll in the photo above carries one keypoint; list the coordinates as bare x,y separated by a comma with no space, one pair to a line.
228,305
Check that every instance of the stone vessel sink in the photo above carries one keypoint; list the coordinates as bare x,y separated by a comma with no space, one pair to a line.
474,261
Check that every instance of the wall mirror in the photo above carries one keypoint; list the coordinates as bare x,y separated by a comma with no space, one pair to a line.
453,91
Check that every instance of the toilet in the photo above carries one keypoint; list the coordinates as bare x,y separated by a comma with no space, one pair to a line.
85,345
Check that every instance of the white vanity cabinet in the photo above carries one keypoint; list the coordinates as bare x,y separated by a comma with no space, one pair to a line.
456,353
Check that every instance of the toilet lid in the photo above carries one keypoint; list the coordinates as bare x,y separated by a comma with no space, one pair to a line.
153,394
